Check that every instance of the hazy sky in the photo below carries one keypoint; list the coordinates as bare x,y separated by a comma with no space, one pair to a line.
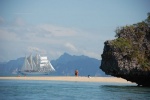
52,27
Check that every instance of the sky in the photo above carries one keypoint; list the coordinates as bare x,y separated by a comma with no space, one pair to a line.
53,27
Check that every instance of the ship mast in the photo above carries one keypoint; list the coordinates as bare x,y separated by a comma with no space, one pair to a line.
37,64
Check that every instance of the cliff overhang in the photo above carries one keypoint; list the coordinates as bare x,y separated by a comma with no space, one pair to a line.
128,56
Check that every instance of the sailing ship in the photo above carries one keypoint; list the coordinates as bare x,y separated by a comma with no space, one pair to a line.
36,65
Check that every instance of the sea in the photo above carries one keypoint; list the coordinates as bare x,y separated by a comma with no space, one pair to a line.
59,90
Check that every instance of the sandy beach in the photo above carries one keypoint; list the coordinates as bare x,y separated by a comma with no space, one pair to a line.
70,78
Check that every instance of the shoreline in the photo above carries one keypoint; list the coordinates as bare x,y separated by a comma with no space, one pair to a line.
69,78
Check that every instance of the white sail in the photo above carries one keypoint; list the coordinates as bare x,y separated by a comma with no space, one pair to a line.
44,61
30,61
43,58
26,66
37,64
52,68
37,61
34,66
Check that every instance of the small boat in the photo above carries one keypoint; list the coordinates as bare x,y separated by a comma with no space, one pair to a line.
36,65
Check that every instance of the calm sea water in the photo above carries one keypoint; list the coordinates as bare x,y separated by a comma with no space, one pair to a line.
55,90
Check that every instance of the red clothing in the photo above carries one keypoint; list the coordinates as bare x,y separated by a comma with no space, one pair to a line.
76,72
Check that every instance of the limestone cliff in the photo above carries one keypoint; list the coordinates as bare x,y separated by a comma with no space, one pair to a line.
128,56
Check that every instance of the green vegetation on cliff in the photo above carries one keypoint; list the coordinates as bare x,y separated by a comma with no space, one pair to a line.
135,40
122,43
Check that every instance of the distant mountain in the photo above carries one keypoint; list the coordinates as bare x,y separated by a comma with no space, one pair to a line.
8,68
65,65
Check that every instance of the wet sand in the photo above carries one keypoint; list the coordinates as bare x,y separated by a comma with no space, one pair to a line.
69,78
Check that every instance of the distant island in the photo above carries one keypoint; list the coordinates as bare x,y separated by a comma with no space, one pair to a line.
128,56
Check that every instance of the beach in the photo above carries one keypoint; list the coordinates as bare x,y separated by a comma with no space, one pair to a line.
69,78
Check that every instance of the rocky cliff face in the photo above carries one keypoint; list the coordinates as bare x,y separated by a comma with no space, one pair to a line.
128,56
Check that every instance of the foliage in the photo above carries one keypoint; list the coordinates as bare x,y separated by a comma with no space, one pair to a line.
145,65
122,44
148,19
124,30
138,29
130,39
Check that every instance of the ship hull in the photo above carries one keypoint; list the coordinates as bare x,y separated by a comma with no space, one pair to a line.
34,73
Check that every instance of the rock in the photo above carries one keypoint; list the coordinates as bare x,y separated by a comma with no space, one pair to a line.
128,56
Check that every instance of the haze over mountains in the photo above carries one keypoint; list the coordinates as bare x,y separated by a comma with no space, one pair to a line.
65,65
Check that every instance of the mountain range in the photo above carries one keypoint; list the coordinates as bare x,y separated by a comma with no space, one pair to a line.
65,65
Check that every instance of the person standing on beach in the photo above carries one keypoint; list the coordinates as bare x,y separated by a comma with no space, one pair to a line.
76,73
